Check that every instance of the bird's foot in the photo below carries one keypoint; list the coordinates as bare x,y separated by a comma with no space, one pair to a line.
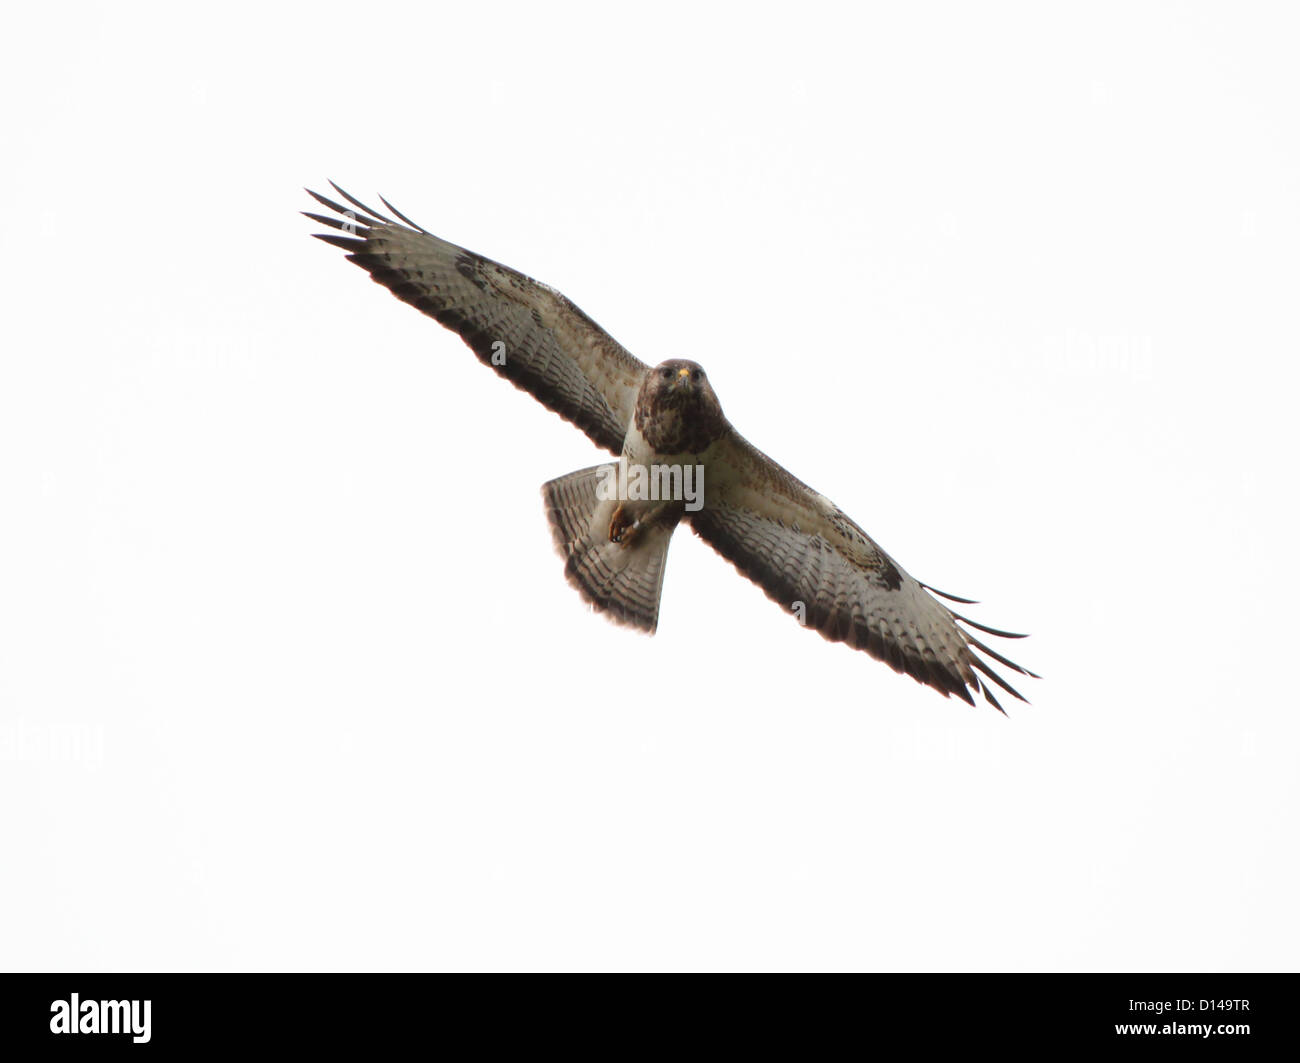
622,528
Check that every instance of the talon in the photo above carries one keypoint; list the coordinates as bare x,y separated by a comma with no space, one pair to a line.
621,527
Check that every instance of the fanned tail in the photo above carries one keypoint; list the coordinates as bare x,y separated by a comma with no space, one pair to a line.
622,579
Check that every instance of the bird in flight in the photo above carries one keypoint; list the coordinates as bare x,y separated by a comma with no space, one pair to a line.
679,460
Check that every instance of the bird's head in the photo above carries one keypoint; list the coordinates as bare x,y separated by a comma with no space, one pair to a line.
677,409
677,382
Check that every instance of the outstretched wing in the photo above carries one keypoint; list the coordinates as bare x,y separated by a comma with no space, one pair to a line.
528,332
811,558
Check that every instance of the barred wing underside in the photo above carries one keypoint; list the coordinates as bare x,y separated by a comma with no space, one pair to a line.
525,330
807,555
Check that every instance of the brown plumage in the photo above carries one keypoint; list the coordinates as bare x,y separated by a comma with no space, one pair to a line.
611,523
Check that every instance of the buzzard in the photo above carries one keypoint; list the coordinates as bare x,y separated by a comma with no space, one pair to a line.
679,460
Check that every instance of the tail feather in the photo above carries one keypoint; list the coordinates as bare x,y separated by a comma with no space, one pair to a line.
621,579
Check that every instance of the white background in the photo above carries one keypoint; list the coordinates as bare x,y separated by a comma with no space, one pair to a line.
289,674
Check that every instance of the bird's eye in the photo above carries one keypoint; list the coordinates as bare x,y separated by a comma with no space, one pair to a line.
697,375
666,373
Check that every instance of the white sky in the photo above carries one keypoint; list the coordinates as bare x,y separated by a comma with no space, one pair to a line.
289,674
